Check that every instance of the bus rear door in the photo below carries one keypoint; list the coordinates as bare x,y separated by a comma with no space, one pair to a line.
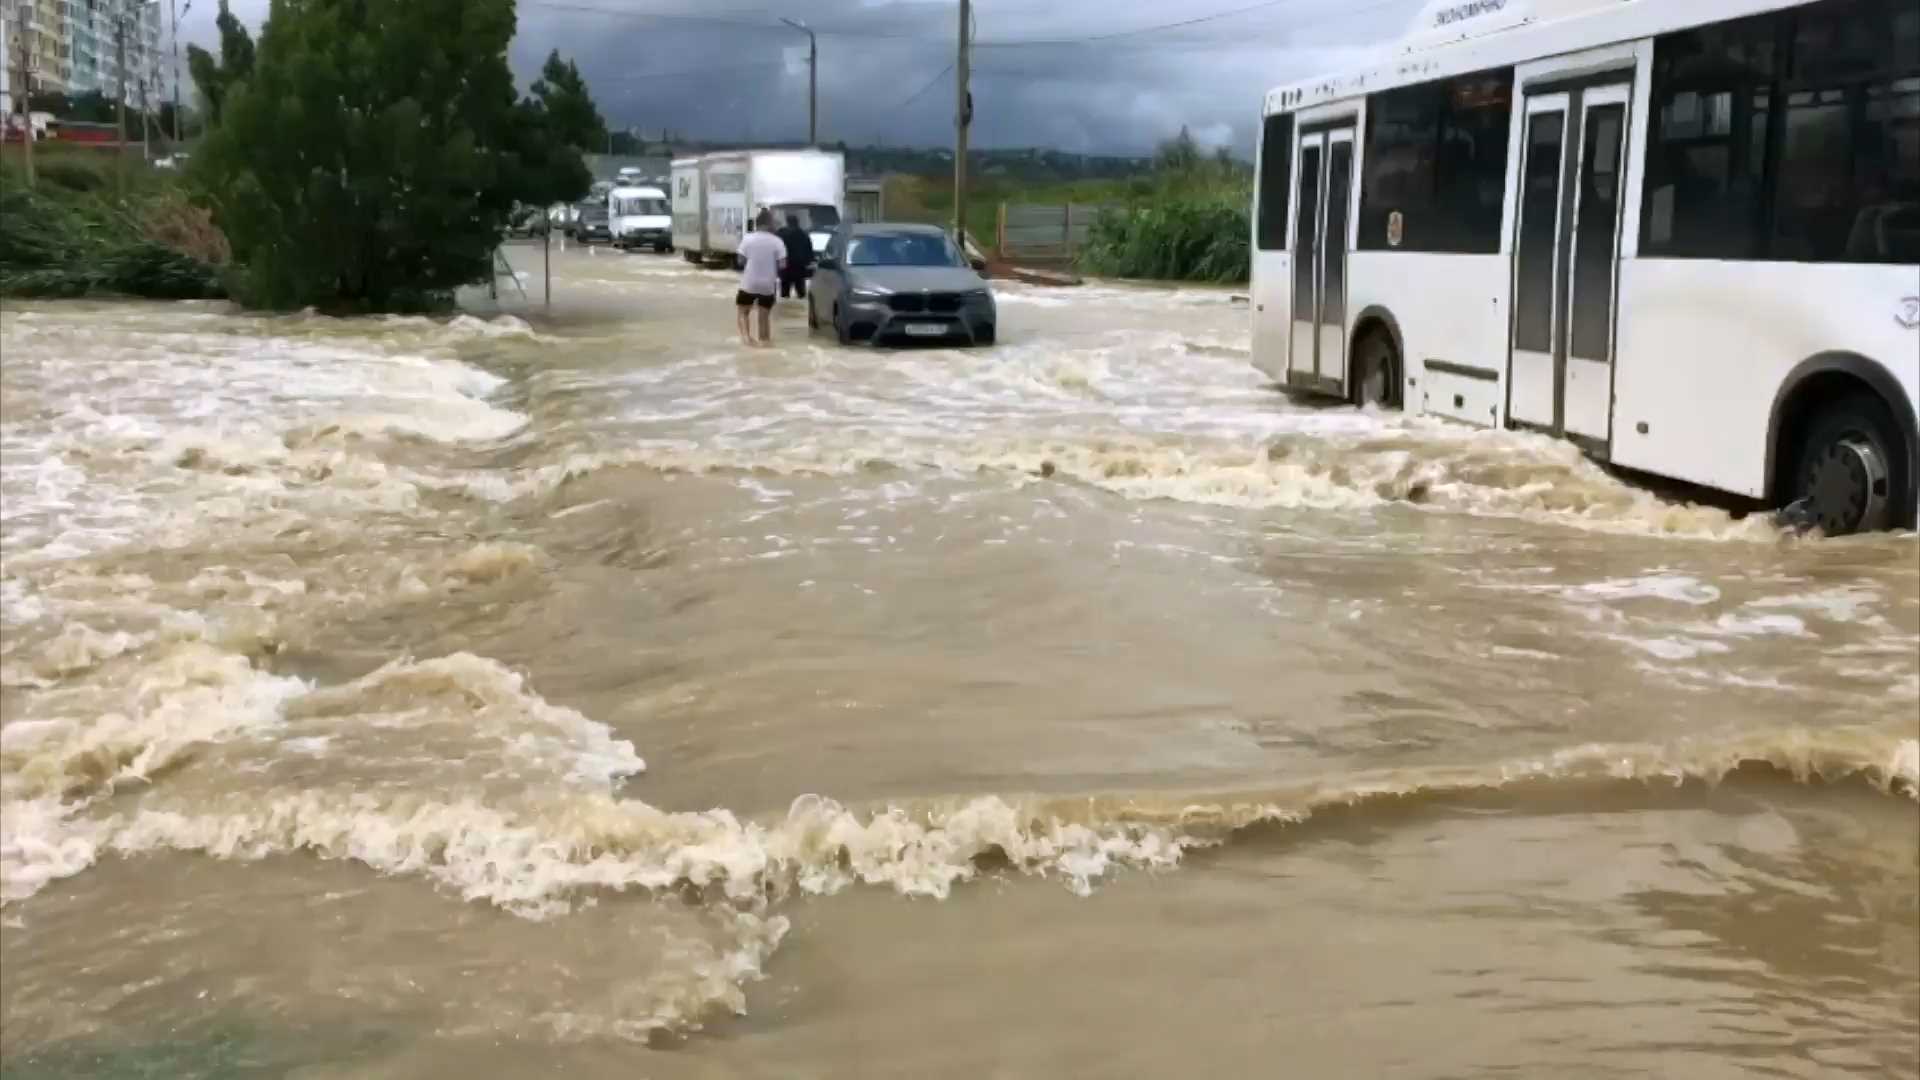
1566,259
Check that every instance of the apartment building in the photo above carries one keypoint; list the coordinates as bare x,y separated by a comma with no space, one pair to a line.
72,47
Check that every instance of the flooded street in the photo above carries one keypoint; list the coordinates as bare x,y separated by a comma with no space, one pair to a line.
584,693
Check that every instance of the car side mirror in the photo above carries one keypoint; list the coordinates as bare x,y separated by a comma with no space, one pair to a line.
827,262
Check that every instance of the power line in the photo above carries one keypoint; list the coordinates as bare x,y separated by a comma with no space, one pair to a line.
1023,42
733,22
1112,39
931,83
692,73
1117,35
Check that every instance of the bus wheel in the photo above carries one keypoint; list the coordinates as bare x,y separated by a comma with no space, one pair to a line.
1376,370
1851,468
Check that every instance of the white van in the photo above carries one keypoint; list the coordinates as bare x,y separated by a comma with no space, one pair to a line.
640,217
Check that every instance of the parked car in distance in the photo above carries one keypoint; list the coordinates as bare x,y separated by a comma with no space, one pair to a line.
594,226
881,283
527,221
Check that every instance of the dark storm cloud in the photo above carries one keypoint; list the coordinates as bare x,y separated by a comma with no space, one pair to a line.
730,71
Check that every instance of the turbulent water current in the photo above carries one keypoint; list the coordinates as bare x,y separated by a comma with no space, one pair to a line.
580,693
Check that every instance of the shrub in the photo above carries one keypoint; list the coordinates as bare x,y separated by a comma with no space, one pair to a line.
70,244
1203,239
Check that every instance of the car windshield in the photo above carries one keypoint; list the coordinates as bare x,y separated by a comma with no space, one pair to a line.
594,213
813,217
902,249
637,206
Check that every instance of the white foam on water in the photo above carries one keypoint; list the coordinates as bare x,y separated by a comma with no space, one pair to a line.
114,419
1678,588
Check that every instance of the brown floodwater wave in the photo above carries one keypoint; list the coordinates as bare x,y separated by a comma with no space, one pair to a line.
531,692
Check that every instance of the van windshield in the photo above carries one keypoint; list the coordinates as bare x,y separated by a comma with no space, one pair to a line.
641,206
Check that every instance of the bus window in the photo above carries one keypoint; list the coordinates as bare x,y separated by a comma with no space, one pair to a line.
1276,161
1437,154
1791,136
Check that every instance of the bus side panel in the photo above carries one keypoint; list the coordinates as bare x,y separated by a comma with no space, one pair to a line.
1704,346
1451,309
1272,296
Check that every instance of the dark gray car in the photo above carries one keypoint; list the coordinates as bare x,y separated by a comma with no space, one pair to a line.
891,284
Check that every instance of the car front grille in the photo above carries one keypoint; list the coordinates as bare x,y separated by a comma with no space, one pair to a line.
944,303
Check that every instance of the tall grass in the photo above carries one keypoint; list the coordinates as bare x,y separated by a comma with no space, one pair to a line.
1190,222
1176,239
71,236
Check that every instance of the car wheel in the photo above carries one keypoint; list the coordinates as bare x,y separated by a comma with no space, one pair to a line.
1852,471
662,248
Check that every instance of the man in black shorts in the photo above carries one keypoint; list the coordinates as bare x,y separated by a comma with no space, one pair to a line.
761,255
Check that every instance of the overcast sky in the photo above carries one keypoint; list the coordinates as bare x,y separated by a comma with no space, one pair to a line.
727,69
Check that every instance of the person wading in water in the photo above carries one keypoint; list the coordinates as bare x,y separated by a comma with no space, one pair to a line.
793,276
761,256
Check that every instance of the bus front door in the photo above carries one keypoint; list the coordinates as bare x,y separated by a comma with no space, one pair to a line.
1565,262
1323,197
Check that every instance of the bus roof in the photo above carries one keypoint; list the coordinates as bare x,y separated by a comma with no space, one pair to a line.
1454,37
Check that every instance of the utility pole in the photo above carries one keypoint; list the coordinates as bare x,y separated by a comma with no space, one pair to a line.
26,91
120,99
174,11
963,117
813,80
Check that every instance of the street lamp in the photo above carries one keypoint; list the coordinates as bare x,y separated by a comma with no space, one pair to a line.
813,80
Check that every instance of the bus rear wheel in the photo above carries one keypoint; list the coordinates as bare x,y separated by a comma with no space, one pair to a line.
1376,370
1852,469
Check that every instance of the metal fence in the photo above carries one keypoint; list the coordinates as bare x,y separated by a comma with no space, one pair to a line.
1039,233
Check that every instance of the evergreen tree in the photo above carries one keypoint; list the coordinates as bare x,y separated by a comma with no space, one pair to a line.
570,111
372,158
215,77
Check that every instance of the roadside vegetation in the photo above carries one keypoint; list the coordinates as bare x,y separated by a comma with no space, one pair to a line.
72,235
1187,221
361,156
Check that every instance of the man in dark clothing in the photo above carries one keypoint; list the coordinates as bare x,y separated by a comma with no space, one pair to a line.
793,276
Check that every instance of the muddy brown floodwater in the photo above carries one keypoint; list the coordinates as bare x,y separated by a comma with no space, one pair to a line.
584,694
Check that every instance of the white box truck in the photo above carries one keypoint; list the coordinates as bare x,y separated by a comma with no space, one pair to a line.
734,186
688,187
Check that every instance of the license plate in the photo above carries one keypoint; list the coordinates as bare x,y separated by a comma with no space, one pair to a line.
926,329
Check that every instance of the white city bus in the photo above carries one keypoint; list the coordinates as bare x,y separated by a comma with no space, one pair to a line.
1683,233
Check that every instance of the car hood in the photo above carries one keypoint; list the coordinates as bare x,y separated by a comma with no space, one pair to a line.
910,279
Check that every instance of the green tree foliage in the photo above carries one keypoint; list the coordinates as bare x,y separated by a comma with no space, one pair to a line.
1189,221
570,111
372,158
215,77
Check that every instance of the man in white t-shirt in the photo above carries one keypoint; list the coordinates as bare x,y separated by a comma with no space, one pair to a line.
761,256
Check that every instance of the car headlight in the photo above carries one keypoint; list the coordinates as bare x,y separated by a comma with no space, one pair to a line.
867,293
